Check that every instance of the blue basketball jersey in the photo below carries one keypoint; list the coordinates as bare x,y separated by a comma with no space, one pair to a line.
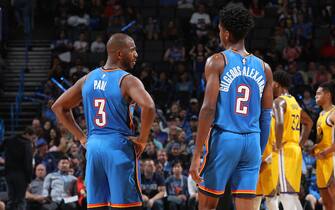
106,110
241,87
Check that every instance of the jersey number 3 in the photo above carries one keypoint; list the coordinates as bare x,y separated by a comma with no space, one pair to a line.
100,117
241,106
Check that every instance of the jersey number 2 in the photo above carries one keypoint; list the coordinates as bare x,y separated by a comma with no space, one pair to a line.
100,118
241,106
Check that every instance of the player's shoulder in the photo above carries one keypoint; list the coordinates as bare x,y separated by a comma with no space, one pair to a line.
279,101
216,61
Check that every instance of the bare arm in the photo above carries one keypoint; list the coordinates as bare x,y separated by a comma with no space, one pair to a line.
160,194
307,125
133,88
279,109
213,67
267,98
62,108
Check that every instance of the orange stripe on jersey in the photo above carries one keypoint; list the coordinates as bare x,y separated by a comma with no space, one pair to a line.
207,152
126,205
136,175
216,192
97,205
243,191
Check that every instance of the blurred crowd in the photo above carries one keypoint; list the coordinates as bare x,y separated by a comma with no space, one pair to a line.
185,39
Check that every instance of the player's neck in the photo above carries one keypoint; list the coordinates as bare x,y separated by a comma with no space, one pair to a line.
327,107
110,65
239,48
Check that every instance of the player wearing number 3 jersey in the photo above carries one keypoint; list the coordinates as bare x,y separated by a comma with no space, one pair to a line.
112,173
237,105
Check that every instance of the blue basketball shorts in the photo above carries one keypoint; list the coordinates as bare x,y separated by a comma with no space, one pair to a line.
231,157
112,172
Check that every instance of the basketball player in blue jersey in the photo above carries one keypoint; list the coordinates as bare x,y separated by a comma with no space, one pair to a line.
106,92
237,105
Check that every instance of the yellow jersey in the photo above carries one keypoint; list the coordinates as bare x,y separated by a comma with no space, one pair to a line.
291,120
325,138
325,130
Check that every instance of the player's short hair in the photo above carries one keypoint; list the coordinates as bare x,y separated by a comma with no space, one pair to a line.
282,78
237,20
329,87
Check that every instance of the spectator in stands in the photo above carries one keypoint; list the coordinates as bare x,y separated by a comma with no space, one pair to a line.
81,45
200,21
162,90
170,31
34,191
185,4
152,29
158,134
96,14
61,13
35,124
98,46
328,49
42,149
256,8
163,159
194,108
184,88
292,51
193,191
177,189
18,167
79,68
79,14
150,151
153,187
199,54
113,12
59,186
309,103
62,43
174,54
280,40
321,76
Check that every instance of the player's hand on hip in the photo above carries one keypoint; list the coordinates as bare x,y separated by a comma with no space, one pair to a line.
138,144
195,167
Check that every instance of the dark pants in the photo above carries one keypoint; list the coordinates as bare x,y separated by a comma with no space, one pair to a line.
59,206
16,190
31,205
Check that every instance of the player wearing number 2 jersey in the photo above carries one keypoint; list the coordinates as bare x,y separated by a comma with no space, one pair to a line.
288,117
237,104
112,174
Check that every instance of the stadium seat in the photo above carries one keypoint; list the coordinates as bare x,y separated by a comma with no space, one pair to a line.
153,56
166,12
148,12
153,45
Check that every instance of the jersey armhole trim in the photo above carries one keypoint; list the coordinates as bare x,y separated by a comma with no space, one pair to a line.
328,121
121,79
224,59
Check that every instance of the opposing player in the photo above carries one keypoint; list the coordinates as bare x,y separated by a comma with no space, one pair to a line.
106,92
325,147
269,174
288,117
237,104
